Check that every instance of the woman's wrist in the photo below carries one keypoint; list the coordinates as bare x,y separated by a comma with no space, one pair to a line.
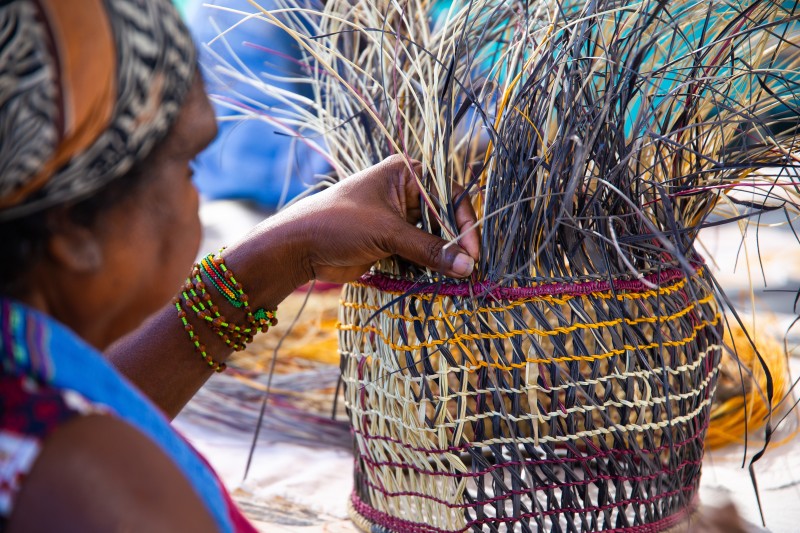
271,261
231,296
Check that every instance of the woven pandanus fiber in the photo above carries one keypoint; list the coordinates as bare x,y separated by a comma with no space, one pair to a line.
556,407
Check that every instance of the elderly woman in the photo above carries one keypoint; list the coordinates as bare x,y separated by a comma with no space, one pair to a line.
102,112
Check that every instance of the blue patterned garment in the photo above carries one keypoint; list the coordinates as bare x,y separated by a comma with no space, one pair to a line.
64,376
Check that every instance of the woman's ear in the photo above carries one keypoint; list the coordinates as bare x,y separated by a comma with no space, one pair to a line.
74,246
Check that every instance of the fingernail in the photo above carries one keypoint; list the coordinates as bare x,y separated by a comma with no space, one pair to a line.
463,265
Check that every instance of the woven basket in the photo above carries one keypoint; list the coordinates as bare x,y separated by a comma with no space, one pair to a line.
556,407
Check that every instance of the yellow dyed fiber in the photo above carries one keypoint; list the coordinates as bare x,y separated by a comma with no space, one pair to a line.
740,405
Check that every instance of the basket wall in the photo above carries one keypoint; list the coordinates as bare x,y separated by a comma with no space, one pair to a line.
582,407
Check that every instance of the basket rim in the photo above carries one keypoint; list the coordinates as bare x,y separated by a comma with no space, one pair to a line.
483,289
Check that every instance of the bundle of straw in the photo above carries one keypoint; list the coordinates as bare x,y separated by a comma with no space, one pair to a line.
567,386
613,129
740,406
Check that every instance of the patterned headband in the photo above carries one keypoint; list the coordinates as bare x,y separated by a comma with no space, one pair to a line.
87,87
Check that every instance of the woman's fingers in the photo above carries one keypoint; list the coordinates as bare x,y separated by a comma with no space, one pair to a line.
428,250
372,214
467,222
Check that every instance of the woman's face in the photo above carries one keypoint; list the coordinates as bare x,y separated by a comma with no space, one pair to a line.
150,240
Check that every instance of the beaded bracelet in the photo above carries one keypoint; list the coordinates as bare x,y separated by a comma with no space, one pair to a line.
196,297
234,336
223,280
199,348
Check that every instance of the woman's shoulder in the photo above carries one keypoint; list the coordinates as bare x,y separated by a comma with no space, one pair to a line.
96,472
62,401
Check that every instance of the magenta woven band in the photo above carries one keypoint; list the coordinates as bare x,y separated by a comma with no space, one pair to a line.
486,289
385,522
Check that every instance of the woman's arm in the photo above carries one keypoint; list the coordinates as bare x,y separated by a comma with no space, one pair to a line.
335,235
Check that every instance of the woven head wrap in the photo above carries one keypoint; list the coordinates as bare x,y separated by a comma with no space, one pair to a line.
87,87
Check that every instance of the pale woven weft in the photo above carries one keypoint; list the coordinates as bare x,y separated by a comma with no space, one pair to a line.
559,407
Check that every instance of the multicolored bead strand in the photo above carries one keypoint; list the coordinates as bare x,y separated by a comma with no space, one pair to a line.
224,281
199,348
233,335
195,297
217,276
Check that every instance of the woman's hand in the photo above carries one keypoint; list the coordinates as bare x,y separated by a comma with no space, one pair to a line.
372,215
337,234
